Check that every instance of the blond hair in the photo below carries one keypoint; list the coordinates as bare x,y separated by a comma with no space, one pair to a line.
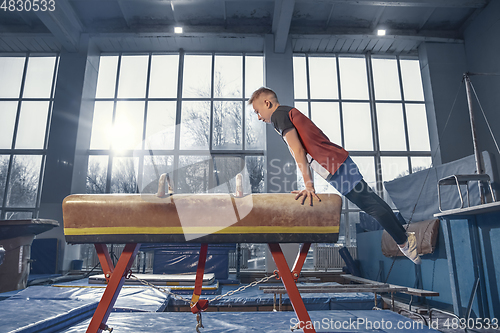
260,91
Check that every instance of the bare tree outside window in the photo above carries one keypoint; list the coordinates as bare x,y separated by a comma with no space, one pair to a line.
4,166
96,174
24,179
123,175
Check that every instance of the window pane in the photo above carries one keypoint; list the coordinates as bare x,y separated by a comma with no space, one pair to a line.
353,220
353,79
386,79
327,117
366,166
254,74
357,126
392,168
96,174
418,131
32,125
39,76
302,107
299,77
412,80
163,76
4,166
224,176
323,77
322,186
160,125
102,125
18,215
420,163
106,79
391,130
12,75
228,78
197,76
255,134
195,125
227,123
128,126
256,166
154,167
8,112
341,239
193,174
23,181
123,175
133,75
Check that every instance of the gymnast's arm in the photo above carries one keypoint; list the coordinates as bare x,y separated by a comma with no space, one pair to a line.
299,154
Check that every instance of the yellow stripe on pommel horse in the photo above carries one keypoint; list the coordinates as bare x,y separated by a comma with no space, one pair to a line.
199,218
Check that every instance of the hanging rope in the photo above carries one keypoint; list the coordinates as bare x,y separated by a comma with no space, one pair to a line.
484,115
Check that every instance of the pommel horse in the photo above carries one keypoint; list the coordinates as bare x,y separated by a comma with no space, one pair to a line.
201,218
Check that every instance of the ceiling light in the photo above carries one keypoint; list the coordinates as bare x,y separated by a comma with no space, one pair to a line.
381,32
178,30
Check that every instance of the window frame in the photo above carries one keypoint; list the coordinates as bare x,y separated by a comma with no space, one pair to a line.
377,154
176,152
12,152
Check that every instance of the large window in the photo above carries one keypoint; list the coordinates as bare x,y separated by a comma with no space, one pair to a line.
26,97
182,114
374,107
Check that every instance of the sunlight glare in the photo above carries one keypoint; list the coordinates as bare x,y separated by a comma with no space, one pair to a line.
121,136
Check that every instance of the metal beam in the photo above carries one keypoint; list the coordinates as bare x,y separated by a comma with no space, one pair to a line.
22,16
127,20
378,16
391,3
426,18
282,20
64,24
172,6
396,3
411,3
330,16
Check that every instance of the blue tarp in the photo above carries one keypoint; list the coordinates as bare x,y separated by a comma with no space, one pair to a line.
258,322
421,187
50,308
313,301
182,258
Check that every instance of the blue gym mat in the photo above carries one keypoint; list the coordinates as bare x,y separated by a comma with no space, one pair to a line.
258,322
51,308
313,301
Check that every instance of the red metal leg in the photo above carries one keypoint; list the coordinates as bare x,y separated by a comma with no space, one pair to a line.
115,283
198,305
105,260
291,288
299,262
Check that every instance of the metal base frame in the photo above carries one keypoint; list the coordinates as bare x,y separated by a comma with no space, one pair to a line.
115,277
